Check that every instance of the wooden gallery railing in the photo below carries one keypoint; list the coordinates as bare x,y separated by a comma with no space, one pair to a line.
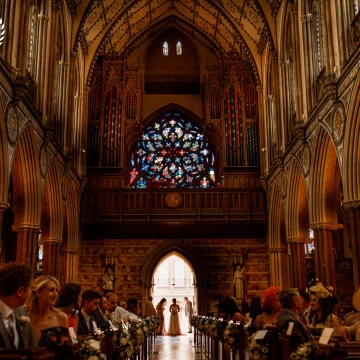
151,205
220,340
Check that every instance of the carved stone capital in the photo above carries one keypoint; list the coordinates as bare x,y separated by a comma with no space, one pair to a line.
63,64
326,226
330,87
69,251
259,89
278,250
297,240
87,89
3,206
43,18
306,17
26,227
49,241
351,204
300,130
20,89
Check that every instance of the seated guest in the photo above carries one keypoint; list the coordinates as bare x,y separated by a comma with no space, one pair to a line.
90,312
132,306
271,308
50,325
69,302
291,302
351,318
321,314
15,280
119,313
352,332
104,306
255,310
306,307
123,304
232,311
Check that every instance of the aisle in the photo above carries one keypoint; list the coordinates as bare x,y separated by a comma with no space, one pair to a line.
176,348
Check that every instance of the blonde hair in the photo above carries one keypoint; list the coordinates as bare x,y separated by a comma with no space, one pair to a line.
38,285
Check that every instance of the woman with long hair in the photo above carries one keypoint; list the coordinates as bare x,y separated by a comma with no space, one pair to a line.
232,311
321,314
271,308
160,308
69,302
132,306
255,310
49,324
174,324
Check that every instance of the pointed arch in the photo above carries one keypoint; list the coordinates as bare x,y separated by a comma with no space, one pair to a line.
351,164
26,180
325,179
187,253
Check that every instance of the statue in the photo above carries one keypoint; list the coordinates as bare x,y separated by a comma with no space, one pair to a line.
238,282
108,280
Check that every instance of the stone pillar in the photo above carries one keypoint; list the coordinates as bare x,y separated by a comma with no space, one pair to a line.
51,264
147,291
27,238
353,211
69,266
324,253
264,158
84,129
328,31
279,267
3,207
297,263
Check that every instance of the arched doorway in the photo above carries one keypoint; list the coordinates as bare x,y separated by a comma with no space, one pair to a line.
174,278
186,254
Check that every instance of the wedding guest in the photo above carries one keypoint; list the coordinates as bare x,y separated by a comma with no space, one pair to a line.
160,308
291,302
321,314
123,304
118,312
271,308
69,302
50,325
149,308
90,313
188,312
352,331
306,307
132,306
174,324
104,306
15,280
255,310
232,311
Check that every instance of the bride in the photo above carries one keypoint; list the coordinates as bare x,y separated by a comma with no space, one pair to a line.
174,325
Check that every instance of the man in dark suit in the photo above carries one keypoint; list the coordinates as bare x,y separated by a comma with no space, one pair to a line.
292,303
188,312
15,326
90,312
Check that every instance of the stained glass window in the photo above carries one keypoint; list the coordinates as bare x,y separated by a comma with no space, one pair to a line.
165,48
176,150
179,48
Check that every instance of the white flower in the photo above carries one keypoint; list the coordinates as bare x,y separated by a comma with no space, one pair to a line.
24,319
95,345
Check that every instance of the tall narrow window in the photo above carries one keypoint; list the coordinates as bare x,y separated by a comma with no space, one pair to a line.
356,4
179,48
165,48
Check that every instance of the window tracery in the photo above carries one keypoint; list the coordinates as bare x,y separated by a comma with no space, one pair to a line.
176,150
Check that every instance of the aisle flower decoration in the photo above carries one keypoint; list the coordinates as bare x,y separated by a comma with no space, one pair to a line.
215,329
195,321
88,349
306,351
231,335
126,348
258,349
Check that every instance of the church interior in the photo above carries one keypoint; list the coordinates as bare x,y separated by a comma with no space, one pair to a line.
248,109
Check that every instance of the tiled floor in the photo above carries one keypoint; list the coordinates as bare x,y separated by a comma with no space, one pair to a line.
176,348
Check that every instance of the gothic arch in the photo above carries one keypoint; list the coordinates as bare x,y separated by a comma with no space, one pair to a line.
4,174
159,253
351,167
278,253
325,179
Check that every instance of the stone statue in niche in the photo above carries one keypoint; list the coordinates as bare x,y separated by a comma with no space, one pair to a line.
108,279
238,282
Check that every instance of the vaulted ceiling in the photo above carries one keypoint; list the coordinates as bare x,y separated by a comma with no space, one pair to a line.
114,26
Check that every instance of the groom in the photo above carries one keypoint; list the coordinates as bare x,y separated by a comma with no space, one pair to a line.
15,327
188,312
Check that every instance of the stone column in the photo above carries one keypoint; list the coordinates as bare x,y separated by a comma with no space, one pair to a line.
3,207
353,211
147,291
262,130
84,129
51,264
324,253
328,39
297,263
27,238
279,267
69,265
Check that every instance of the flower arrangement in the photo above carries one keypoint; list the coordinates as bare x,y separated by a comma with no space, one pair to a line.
125,348
88,349
195,320
137,335
306,351
257,349
231,336
215,329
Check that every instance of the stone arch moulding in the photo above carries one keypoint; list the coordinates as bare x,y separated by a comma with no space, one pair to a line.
162,251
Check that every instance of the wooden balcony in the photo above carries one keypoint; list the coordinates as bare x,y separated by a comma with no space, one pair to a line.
194,212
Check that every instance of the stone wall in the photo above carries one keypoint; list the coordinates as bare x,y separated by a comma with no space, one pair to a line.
216,256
